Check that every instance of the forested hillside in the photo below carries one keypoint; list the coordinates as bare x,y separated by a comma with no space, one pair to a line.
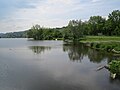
21,34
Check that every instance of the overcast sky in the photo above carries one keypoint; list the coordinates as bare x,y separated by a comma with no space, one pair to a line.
20,15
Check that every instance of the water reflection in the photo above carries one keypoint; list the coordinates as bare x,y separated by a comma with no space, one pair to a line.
39,49
76,52
20,71
97,56
114,81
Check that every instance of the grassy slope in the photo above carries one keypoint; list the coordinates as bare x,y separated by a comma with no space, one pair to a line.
101,39
104,42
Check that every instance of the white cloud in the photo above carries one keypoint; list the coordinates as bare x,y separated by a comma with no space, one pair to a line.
95,1
60,1
50,13
53,13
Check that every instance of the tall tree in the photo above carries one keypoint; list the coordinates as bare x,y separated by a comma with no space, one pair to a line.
74,30
35,32
96,24
114,22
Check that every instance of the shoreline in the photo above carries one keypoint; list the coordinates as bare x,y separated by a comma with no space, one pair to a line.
109,44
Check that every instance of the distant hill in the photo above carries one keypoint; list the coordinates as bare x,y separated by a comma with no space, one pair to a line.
1,34
21,34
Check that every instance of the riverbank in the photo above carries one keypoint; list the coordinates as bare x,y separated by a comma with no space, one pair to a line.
107,43
101,39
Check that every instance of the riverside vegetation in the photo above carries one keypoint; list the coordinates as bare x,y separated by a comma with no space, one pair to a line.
107,43
77,29
100,33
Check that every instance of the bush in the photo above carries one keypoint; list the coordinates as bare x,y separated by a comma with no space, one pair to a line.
114,67
97,45
92,44
117,48
109,48
103,47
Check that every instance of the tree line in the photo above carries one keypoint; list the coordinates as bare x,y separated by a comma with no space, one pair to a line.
76,29
41,33
20,34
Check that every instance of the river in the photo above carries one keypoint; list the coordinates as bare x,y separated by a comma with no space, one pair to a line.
53,65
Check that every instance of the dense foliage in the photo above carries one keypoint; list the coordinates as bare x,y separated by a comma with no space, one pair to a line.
114,67
96,25
113,47
40,33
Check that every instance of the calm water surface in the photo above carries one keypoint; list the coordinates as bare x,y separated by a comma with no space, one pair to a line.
52,65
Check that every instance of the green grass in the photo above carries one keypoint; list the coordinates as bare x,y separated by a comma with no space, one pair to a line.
101,39
108,46
107,43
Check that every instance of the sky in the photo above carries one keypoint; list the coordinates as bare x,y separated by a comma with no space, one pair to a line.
20,15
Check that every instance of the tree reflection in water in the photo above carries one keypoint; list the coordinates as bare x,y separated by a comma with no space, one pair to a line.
97,56
39,49
76,52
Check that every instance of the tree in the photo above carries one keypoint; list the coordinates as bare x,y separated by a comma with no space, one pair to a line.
57,34
96,24
74,30
35,32
114,22
85,28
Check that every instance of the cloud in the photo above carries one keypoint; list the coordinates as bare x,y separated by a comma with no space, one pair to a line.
95,1
49,13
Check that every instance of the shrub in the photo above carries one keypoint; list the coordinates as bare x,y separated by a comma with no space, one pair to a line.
114,67
97,45
92,44
117,48
109,48
103,47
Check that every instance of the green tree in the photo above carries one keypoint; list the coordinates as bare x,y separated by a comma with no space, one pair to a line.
36,32
57,34
74,30
114,22
96,24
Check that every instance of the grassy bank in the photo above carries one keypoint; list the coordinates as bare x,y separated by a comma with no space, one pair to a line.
107,43
101,39
108,46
